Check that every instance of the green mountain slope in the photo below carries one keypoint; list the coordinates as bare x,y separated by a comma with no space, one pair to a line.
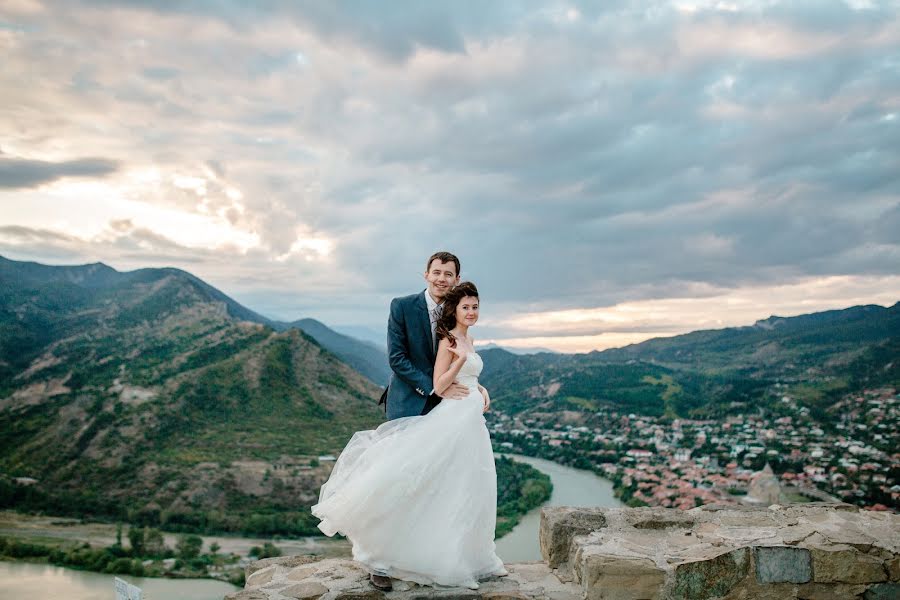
365,357
148,395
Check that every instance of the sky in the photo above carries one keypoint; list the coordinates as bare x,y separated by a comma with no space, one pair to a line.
607,172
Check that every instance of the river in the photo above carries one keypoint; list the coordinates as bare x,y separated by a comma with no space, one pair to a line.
20,581
571,487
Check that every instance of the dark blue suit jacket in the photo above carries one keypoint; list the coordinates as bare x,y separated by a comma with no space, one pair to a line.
411,354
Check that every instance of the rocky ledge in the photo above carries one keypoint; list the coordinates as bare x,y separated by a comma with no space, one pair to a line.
802,551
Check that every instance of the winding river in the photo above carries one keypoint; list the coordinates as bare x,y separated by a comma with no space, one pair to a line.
571,487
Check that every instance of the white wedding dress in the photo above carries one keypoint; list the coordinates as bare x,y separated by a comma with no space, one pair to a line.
417,497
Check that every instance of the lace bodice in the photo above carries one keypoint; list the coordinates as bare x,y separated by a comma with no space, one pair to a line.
468,374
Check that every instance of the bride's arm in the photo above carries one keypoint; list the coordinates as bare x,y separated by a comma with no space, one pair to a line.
446,366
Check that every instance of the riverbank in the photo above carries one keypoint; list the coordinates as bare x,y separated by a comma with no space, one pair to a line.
571,487
49,582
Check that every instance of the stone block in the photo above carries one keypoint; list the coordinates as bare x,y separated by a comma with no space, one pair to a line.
831,591
612,577
782,564
428,593
659,518
893,568
843,564
505,595
301,573
560,524
309,590
360,595
711,578
287,562
261,577
247,595
883,591
748,589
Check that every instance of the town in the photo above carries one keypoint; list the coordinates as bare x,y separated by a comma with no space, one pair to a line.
780,453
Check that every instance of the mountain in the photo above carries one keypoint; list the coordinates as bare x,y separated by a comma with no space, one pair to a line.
492,346
152,397
709,373
367,358
365,334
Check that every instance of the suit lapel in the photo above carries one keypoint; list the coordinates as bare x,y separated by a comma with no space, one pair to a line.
423,312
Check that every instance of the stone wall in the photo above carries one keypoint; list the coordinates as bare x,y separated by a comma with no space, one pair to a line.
808,551
801,551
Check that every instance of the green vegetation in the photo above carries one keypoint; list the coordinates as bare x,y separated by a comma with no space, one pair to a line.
146,556
520,488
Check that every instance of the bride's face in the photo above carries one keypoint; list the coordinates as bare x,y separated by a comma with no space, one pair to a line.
467,311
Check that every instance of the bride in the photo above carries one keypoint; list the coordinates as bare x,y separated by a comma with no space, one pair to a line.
417,497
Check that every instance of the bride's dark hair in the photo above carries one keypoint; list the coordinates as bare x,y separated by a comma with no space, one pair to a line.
447,322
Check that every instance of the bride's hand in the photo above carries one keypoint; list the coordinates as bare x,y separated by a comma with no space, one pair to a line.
487,400
460,354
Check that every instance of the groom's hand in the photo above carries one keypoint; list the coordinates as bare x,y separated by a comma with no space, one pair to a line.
456,391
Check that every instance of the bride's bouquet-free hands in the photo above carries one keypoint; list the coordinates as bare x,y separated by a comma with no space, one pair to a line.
487,398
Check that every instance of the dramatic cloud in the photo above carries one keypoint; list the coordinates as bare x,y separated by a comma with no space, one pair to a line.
306,157
21,173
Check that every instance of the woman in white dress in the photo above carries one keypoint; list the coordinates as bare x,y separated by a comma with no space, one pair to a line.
417,497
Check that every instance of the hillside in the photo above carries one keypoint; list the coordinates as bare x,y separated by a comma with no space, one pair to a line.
149,395
364,357
710,373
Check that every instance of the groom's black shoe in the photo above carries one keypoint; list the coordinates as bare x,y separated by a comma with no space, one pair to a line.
381,582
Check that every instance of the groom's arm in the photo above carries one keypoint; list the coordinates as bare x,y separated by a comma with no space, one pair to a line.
398,352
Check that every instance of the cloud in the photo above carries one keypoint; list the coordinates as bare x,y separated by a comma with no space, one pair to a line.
25,173
307,157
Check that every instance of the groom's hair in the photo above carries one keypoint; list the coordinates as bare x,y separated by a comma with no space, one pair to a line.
444,257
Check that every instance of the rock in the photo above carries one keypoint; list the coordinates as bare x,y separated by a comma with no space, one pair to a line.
883,591
301,573
262,576
505,596
711,578
606,577
844,564
748,589
284,561
371,594
782,564
309,590
560,524
893,568
830,591
247,595
452,594
656,518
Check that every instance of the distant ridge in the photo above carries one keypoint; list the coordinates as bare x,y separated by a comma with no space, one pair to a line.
710,372
367,358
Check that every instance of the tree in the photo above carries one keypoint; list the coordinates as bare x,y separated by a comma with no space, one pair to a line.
214,548
154,542
136,539
189,546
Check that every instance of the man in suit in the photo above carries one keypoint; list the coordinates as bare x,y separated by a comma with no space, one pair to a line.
412,347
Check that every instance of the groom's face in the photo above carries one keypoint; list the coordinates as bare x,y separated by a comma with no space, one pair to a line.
441,278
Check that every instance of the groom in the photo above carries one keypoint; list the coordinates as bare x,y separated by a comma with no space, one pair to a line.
412,345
